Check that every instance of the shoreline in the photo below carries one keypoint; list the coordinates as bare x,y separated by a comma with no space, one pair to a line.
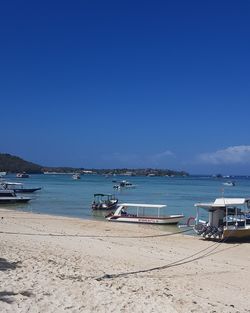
53,263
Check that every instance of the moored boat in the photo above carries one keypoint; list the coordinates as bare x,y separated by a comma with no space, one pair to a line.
229,183
9,196
104,202
18,187
22,175
76,176
124,184
135,213
227,218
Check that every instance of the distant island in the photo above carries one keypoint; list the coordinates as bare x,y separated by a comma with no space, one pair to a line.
14,164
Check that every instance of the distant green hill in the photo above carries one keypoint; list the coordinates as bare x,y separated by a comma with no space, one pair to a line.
14,164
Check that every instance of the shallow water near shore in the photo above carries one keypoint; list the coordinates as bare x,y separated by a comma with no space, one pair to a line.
61,195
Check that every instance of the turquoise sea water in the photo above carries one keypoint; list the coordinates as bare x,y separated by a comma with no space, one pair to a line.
61,195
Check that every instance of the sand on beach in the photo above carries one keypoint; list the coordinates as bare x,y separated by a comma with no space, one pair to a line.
59,264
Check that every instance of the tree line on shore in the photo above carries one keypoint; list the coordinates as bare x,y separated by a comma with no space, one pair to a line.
14,164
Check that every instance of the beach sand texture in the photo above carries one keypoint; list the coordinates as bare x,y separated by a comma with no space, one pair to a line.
57,264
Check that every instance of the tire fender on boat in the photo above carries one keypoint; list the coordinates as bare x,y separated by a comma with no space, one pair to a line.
191,218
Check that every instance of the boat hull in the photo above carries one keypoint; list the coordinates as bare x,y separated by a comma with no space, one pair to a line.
26,190
145,220
11,201
239,233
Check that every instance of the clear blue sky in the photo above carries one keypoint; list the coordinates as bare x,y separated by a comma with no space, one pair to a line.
127,83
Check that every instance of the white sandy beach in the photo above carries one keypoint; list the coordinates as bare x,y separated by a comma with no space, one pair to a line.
57,264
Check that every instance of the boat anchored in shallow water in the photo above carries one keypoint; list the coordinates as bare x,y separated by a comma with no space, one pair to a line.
9,196
104,202
227,218
18,187
135,213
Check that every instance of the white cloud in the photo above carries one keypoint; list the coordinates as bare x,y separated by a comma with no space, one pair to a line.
230,155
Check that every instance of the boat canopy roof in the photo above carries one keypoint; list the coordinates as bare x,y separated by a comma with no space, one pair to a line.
140,205
11,183
102,195
222,203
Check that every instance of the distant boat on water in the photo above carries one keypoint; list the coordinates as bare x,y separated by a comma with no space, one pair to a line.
229,183
22,175
76,176
124,184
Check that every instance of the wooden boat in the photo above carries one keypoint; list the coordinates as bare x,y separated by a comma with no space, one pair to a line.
227,218
18,187
9,196
135,213
104,202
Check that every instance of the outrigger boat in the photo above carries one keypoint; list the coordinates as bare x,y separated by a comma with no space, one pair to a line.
104,202
135,213
227,218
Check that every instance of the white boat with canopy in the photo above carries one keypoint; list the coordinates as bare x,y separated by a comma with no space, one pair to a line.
227,218
136,213
17,187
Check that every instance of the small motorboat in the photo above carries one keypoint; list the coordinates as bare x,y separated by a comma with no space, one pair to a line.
124,184
229,183
135,213
9,196
18,187
22,175
104,202
76,176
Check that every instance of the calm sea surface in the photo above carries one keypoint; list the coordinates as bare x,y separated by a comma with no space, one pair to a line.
61,195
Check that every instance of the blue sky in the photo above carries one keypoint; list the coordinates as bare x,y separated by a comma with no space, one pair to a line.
127,84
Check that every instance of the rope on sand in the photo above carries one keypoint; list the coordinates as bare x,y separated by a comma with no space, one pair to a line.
179,262
94,236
